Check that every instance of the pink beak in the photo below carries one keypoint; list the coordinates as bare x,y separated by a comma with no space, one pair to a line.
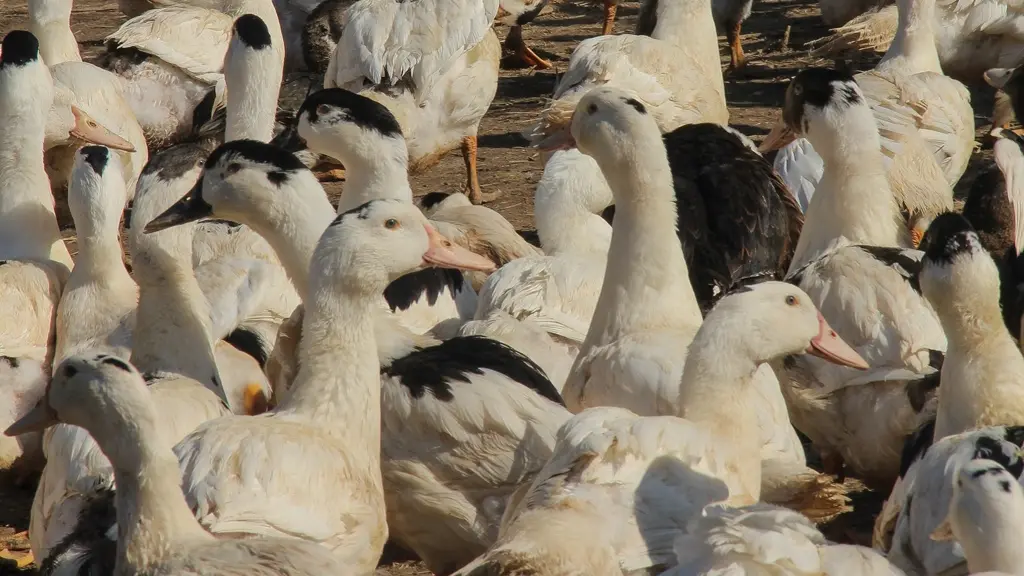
829,346
780,136
443,253
561,140
91,131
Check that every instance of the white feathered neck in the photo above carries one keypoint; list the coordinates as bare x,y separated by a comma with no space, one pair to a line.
853,199
570,189
913,49
50,22
28,224
253,79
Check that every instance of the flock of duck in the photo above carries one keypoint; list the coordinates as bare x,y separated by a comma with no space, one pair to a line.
258,382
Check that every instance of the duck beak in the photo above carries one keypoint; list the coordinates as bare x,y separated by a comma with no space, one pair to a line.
190,208
829,346
560,140
93,132
38,419
443,253
780,136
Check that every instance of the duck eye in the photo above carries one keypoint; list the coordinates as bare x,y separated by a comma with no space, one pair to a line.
798,90
70,371
322,109
392,224
233,167
592,108
791,300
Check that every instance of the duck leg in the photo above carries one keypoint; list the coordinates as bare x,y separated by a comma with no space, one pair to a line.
610,7
472,183
519,54
737,59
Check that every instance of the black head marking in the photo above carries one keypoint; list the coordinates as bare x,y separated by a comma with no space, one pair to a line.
11,361
259,152
1001,450
97,157
175,161
277,177
948,236
250,342
70,371
635,104
359,110
1005,485
818,88
362,212
252,31
19,49
529,15
116,363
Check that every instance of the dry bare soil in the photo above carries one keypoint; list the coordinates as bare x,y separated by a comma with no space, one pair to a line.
508,165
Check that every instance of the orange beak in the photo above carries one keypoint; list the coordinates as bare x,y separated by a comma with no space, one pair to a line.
443,253
91,131
829,346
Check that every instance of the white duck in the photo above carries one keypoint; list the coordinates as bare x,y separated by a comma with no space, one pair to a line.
671,66
644,478
852,223
554,294
170,57
921,500
35,259
306,440
434,64
984,518
437,398
156,532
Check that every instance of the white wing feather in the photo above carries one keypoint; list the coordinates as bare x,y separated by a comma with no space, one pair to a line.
1010,161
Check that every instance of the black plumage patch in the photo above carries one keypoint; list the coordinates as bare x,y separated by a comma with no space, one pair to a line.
252,31
817,88
203,112
636,104
948,236
996,449
96,157
432,369
259,152
358,110
175,161
901,260
736,219
1005,485
405,291
289,139
919,391
70,371
87,547
19,49
249,342
277,177
11,361
916,445
362,212
431,199
116,363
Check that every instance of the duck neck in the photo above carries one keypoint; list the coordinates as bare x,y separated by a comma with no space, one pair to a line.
377,169
57,43
646,268
974,322
99,251
338,384
253,79
855,201
153,519
715,389
28,221
564,224
172,323
687,24
913,49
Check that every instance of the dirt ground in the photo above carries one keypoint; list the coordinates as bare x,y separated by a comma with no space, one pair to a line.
508,165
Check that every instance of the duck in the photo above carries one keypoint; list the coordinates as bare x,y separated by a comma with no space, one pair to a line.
103,309
729,16
921,501
435,395
554,295
169,58
970,37
920,112
853,221
679,80
95,93
641,480
983,370
438,85
299,419
36,263
762,537
321,32
982,517
156,532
